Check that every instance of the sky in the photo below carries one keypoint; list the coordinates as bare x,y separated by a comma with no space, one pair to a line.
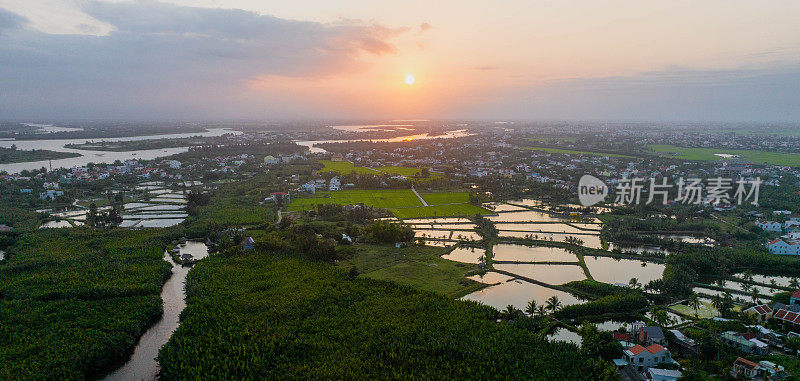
699,60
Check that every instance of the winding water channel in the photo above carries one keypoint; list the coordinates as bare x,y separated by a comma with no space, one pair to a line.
143,365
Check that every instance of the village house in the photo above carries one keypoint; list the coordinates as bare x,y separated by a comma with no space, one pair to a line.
335,184
275,196
770,226
761,312
744,368
781,247
656,374
50,194
310,187
644,358
649,335
248,243
745,342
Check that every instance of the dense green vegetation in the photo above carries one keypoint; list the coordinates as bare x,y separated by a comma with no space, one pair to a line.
74,301
137,145
566,151
762,157
379,198
345,167
262,315
14,155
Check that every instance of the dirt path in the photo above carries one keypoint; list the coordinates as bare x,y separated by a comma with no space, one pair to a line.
424,203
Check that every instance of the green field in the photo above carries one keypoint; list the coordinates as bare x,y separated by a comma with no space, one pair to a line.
566,151
401,171
345,167
446,198
381,198
762,157
402,202
421,267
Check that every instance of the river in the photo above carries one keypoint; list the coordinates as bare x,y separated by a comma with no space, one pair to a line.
142,365
98,156
424,136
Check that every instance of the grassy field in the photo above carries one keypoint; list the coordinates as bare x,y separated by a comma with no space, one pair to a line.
345,167
402,202
401,171
446,198
420,267
762,157
566,151
381,198
706,310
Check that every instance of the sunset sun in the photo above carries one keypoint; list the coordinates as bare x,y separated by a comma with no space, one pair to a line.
410,79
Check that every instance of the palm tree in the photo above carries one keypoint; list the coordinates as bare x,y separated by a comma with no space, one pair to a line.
541,310
717,302
634,283
553,304
511,312
754,295
531,308
794,283
694,302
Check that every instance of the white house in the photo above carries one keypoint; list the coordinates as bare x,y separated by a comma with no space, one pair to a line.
770,226
645,358
310,187
335,184
781,247
174,164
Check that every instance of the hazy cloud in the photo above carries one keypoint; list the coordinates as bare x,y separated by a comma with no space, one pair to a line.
674,94
425,26
9,20
163,58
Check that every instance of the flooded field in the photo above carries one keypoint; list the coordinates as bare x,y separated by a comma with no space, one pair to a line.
590,241
501,207
508,252
550,274
783,281
563,334
524,216
518,293
465,255
491,278
551,228
611,270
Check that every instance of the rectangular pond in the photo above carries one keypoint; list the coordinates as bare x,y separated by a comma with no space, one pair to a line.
612,270
509,252
518,293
